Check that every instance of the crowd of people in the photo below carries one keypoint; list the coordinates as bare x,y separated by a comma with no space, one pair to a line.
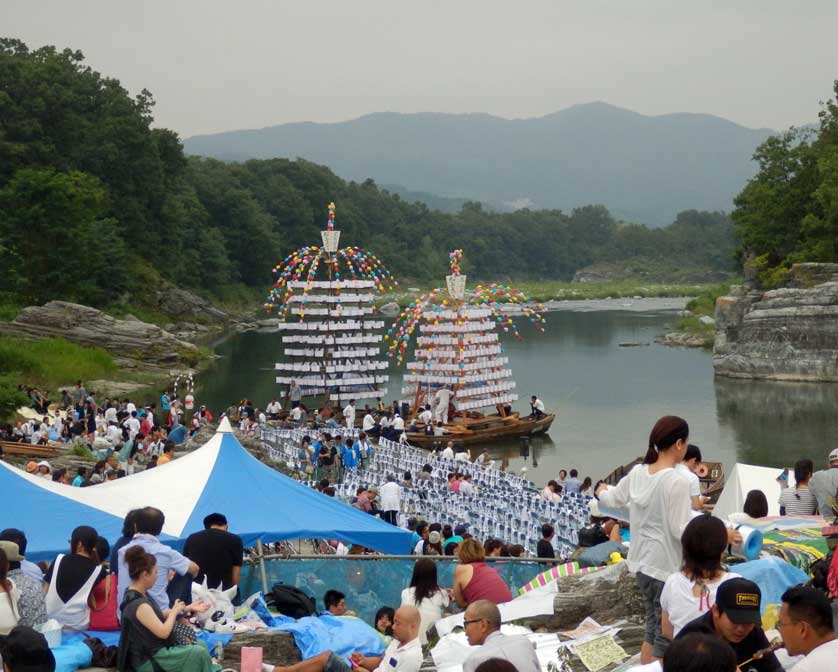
699,615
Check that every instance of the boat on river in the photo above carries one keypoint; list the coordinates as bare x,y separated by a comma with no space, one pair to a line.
459,367
710,474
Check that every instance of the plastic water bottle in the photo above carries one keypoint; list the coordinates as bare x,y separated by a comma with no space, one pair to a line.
218,652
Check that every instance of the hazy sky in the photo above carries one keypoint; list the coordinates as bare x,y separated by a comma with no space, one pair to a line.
217,65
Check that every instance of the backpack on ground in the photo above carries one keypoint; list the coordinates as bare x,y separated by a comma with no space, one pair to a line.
290,601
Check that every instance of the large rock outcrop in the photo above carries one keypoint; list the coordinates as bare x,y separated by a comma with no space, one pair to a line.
782,334
133,344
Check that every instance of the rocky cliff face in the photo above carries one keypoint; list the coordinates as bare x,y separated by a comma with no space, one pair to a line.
133,344
782,334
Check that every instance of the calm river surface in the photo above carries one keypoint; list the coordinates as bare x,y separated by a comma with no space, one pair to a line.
607,397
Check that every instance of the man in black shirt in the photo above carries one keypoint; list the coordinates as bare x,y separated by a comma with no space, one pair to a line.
545,546
735,618
217,552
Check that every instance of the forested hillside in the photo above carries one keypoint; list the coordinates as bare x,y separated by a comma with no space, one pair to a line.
789,211
96,205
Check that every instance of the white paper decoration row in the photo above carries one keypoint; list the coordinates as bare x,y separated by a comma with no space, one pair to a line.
333,340
481,363
468,352
331,382
348,325
319,352
455,340
315,367
329,298
332,284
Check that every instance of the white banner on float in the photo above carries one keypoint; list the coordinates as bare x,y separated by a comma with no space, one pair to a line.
352,325
312,381
483,403
452,327
333,340
352,394
454,340
336,354
467,352
332,298
485,389
471,378
480,364
340,311
315,367
332,284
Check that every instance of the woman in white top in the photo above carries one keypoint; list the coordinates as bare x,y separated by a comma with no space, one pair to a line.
658,500
691,592
9,612
426,595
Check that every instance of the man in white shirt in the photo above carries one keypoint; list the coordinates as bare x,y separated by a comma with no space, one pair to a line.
132,425
463,456
113,434
806,626
482,626
368,422
404,653
273,409
129,406
448,453
397,427
687,468
537,408
349,414
426,416
110,414
391,494
295,414
442,398
483,458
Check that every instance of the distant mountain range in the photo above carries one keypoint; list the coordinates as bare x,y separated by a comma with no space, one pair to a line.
643,168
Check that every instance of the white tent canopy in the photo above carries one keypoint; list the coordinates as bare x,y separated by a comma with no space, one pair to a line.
746,477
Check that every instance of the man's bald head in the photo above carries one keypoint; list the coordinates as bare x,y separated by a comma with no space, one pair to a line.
482,618
406,624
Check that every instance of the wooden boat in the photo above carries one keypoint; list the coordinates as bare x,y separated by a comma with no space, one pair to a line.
28,449
711,475
483,429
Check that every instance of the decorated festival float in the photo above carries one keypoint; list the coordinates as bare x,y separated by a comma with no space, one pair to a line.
324,297
459,367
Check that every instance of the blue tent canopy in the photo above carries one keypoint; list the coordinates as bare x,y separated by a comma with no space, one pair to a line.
220,476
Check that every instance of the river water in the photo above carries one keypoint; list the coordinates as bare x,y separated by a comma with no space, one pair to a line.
607,397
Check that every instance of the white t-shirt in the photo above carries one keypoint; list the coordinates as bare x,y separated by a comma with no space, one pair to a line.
678,601
110,414
9,610
462,456
448,453
820,659
430,610
692,479
401,658
133,426
466,488
659,508
390,494
538,405
369,422
273,408
398,423
296,413
426,416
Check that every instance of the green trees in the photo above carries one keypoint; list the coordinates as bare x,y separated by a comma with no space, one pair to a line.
789,211
95,206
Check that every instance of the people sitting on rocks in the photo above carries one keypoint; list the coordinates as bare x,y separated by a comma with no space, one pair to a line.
404,653
735,618
481,623
145,640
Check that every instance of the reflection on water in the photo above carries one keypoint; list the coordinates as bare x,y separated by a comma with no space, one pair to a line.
607,397
775,424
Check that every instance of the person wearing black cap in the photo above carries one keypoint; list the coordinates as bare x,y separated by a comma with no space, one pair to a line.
26,650
736,619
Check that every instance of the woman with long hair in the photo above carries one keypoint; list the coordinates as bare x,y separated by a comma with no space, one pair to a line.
426,595
145,642
658,499
691,592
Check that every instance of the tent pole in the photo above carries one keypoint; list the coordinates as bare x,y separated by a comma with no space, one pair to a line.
262,573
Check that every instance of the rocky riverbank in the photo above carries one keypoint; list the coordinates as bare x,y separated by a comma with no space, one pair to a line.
782,334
